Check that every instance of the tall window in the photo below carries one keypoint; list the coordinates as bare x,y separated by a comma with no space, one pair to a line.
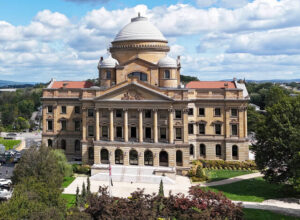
63,125
202,150
202,128
167,74
108,74
119,113
217,112
77,109
63,109
148,158
178,134
201,111
50,125
49,108
90,130
104,131
218,150
133,157
140,75
91,153
191,111
163,133
63,144
235,151
77,125
178,114
90,112
191,128
119,156
133,132
148,132
147,113
234,129
218,129
119,132
50,143
191,150
77,145
234,112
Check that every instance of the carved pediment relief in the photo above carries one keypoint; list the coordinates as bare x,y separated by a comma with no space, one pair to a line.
132,94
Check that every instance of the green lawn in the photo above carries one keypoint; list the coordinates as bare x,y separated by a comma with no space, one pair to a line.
252,190
257,214
68,181
9,144
216,175
70,199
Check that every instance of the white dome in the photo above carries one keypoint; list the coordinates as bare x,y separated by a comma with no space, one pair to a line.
108,63
167,62
140,29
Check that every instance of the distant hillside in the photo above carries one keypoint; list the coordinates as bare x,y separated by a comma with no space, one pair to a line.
9,84
275,80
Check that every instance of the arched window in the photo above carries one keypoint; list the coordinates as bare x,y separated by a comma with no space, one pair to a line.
50,143
119,157
202,150
63,144
235,151
104,156
179,158
163,159
133,157
148,158
191,150
218,150
77,145
167,74
140,75
91,153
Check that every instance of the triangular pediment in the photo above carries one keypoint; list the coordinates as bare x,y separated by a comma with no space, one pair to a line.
133,91
139,61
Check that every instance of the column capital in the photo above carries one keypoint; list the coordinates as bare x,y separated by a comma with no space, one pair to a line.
171,109
96,109
84,108
125,109
185,110
110,109
140,109
155,110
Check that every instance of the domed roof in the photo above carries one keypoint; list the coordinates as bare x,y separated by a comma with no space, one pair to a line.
167,62
140,29
109,62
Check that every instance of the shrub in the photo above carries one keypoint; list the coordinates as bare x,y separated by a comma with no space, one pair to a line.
81,169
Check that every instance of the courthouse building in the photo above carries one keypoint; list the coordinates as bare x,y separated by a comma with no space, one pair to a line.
141,114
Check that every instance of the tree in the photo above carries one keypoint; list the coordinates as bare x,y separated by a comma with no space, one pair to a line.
186,79
77,197
21,123
65,168
88,186
254,119
161,189
278,137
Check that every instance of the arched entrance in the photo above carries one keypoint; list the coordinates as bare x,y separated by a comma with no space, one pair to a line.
235,152
163,159
119,157
178,158
104,156
133,157
148,158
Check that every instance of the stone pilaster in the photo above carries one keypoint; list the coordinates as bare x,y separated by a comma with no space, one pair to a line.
125,125
171,129
141,138
84,124
85,153
185,127
227,122
97,125
111,125
96,154
155,131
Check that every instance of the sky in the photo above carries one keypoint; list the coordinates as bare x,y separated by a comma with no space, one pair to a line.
216,39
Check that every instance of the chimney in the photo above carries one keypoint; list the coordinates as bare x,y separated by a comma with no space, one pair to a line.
178,60
101,59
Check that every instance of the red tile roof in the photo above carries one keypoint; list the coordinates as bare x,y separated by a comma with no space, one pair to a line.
71,84
210,85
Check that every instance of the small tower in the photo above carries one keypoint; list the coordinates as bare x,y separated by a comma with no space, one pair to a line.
107,71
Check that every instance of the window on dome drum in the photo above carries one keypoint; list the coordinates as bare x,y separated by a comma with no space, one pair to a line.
163,133
234,129
77,125
91,153
108,74
201,111
235,152
167,74
77,109
202,150
140,75
218,150
234,112
148,132
104,131
119,132
90,112
191,128
63,125
191,111
177,114
178,134
147,113
217,128
133,132
63,109
201,128
90,130
49,108
217,112
49,125
119,113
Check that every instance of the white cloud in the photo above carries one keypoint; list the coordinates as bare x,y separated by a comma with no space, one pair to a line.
222,3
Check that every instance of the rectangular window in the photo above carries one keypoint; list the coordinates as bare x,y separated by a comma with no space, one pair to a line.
63,125
191,128
163,115
217,112
218,150
119,113
191,111
50,125
90,112
167,74
63,109
108,74
119,132
148,132
77,109
163,133
234,112
234,129
178,114
201,111
90,130
201,128
104,131
77,125
147,113
217,128
133,132
49,108
104,113
178,134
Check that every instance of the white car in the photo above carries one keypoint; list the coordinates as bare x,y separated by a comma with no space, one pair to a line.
5,182
5,194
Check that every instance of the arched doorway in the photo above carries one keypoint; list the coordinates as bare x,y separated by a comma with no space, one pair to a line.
104,156
163,159
133,157
148,158
191,150
235,152
178,158
119,157
63,144
202,150
77,145
50,143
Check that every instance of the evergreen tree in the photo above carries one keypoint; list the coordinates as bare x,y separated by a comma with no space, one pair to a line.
200,173
83,191
88,187
77,197
161,189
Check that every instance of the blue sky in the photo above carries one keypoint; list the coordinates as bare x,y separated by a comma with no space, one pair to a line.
217,39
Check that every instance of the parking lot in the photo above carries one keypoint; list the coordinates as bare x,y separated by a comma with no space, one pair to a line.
6,171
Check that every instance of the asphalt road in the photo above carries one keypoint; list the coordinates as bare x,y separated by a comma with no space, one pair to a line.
6,171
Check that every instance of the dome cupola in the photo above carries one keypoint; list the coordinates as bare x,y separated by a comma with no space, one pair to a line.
167,62
107,63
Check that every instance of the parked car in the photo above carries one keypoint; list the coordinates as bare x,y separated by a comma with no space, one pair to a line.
5,194
5,183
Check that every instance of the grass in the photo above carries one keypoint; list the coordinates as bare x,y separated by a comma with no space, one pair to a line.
252,190
257,214
67,181
216,175
9,144
70,199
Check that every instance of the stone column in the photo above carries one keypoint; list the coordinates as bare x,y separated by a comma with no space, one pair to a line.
241,122
55,118
185,127
171,129
111,125
97,124
245,122
125,125
155,131
227,122
83,124
141,138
